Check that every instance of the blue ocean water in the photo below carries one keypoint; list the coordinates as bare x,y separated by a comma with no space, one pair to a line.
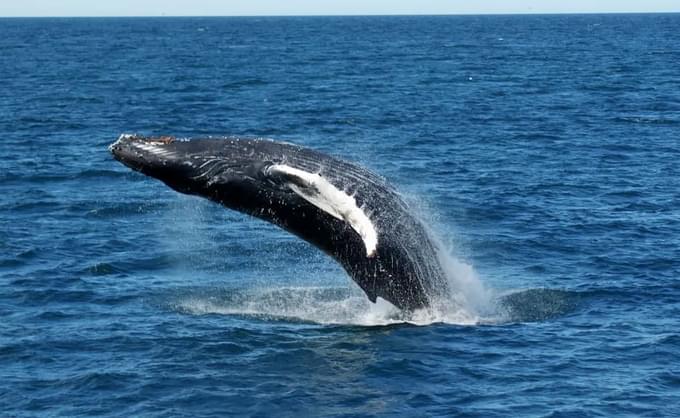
543,151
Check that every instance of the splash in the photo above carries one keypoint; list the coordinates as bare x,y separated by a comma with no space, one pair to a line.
346,306
319,305
467,301
322,305
333,299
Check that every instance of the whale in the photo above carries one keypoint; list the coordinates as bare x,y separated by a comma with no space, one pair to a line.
350,213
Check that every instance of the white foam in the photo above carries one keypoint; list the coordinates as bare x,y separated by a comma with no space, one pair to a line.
467,298
467,303
317,305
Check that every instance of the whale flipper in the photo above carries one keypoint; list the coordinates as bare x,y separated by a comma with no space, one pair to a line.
318,191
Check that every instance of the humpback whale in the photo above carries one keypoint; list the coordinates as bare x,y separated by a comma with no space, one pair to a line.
343,209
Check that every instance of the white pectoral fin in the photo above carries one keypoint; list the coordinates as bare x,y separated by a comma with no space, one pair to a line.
321,193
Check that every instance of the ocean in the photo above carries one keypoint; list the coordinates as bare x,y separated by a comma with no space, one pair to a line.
542,152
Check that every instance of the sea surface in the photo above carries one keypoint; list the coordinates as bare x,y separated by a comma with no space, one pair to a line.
543,152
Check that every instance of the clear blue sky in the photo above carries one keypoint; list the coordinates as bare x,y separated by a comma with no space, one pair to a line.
320,7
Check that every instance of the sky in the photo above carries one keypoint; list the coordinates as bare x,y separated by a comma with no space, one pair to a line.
10,8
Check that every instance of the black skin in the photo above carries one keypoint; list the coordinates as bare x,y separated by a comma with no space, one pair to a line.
404,269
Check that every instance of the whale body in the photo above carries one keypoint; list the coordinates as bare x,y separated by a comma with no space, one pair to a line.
343,209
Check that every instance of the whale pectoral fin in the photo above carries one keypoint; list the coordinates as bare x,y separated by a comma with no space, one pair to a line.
321,193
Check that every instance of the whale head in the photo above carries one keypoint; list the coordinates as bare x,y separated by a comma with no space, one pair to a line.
250,175
194,166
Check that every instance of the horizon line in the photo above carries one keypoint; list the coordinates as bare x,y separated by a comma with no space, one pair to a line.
527,13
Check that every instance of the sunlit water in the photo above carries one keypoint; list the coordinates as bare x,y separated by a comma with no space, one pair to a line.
541,151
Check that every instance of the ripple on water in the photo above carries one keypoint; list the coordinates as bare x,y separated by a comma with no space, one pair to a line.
539,304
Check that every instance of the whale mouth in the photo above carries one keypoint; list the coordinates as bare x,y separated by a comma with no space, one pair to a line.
140,152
